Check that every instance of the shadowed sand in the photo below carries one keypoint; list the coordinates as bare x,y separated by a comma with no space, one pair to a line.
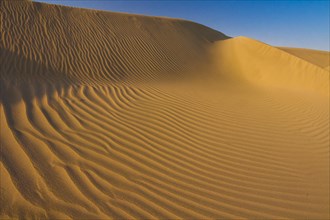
117,116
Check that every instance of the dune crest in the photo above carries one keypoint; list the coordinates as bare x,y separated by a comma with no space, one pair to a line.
317,57
267,66
117,116
88,46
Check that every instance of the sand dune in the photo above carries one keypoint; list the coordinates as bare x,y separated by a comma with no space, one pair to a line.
319,58
117,116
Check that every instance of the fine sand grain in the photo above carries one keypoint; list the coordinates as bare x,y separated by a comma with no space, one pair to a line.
117,116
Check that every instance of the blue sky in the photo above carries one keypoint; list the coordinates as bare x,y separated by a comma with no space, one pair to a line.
280,23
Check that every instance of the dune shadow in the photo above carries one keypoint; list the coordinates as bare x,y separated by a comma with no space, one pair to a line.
21,76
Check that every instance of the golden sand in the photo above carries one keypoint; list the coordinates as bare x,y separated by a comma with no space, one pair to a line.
110,115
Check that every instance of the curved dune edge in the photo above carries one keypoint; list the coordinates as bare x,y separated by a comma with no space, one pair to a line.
116,116
264,65
317,57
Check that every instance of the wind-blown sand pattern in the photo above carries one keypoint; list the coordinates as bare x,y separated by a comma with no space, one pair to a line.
117,116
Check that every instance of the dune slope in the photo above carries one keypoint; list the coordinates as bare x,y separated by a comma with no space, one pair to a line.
317,57
117,116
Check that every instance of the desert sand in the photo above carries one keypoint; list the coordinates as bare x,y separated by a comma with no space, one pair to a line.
116,116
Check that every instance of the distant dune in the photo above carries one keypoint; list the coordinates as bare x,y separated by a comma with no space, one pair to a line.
117,116
319,58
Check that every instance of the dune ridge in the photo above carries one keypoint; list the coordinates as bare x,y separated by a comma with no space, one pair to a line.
111,47
317,57
116,116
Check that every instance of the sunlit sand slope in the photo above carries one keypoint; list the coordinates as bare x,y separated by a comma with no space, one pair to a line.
250,60
117,116
319,58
